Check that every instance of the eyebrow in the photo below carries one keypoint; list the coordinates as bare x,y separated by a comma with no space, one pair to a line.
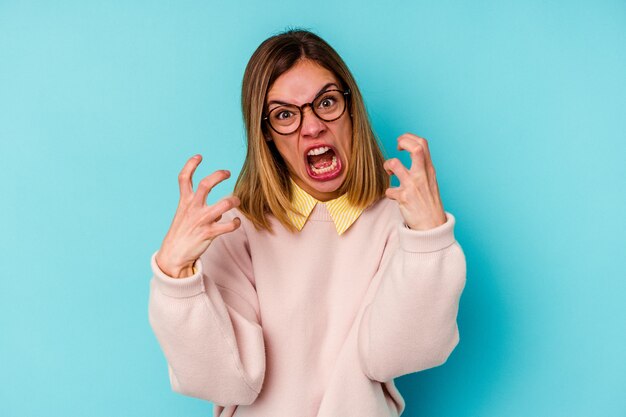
316,94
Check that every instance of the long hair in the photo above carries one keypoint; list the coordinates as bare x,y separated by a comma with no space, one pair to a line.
263,185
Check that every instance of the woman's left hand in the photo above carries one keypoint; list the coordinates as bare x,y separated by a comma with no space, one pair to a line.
418,193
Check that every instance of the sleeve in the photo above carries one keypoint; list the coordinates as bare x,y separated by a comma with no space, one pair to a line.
410,324
208,325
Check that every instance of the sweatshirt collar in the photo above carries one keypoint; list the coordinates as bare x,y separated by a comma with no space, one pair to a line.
341,211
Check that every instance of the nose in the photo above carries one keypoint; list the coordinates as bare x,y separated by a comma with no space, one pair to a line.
312,126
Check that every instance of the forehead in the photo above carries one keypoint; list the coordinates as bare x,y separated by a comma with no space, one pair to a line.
301,83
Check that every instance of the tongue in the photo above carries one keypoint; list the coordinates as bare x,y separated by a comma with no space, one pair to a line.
323,160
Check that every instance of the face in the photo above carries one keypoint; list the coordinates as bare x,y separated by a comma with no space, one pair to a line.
318,153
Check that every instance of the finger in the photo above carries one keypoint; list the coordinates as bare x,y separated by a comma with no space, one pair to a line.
428,162
206,185
221,228
395,167
215,211
417,152
393,193
185,176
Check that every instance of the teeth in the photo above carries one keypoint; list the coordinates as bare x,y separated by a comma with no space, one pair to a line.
318,151
331,167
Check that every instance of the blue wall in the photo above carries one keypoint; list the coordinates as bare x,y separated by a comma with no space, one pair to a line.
524,107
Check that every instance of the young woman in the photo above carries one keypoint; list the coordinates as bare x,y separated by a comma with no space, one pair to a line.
315,285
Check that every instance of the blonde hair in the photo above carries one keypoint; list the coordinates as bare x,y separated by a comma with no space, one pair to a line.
263,185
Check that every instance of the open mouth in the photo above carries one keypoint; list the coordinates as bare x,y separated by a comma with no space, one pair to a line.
323,163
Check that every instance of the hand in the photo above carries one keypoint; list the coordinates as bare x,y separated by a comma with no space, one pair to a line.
418,193
195,223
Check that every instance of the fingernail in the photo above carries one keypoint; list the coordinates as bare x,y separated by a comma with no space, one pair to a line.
197,156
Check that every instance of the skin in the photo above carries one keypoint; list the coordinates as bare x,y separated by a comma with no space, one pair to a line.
300,85
195,223
418,193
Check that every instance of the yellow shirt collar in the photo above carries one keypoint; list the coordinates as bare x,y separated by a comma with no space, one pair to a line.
341,211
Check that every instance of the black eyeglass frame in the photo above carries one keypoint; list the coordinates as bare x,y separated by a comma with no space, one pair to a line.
301,108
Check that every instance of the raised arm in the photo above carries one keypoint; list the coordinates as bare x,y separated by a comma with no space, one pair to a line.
208,323
410,325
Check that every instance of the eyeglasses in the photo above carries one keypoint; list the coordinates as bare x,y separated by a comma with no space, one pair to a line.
328,106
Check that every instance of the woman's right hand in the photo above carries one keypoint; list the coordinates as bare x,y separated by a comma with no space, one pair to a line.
195,223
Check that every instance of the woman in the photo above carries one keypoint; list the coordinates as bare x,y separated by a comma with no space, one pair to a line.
324,284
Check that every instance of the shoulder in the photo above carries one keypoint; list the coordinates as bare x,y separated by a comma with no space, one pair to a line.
384,209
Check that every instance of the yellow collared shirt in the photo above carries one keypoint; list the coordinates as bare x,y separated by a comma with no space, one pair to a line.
341,211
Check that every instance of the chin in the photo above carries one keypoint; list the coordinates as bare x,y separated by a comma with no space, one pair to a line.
329,187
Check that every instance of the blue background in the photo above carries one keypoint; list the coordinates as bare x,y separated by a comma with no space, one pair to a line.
524,107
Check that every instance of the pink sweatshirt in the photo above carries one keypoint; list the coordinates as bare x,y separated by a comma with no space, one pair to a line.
311,324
